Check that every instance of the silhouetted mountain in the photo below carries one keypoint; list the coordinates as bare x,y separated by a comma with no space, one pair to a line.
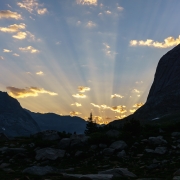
51,121
164,95
14,120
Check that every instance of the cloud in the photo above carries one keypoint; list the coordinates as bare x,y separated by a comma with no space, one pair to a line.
138,105
76,104
136,91
87,2
13,28
15,54
90,24
139,82
108,51
42,11
40,73
108,12
32,36
32,5
132,110
20,35
6,50
74,113
27,92
138,95
78,23
95,105
116,96
168,42
9,14
29,49
83,89
1,58
79,95
120,8
98,119
119,109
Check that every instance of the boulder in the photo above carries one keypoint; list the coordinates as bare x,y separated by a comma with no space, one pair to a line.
175,134
121,154
149,150
49,153
78,153
118,145
64,143
160,150
119,172
113,133
157,140
102,146
108,151
41,171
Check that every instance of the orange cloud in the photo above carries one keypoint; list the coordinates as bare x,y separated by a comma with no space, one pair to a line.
74,113
76,104
13,28
83,89
9,14
27,92
168,42
138,105
79,95
116,96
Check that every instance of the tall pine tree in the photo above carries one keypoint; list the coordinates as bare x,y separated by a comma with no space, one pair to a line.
91,126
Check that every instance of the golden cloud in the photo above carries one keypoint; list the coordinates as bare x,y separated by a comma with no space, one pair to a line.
27,92
15,54
90,24
116,96
13,28
9,14
95,105
87,2
74,113
136,91
6,50
1,58
138,105
83,89
76,104
168,42
29,49
132,110
119,109
42,11
105,106
40,73
79,95
29,5
97,119
20,35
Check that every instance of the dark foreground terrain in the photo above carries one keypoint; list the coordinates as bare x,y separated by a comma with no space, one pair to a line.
151,151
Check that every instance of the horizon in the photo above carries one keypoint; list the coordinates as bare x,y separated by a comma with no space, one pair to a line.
73,57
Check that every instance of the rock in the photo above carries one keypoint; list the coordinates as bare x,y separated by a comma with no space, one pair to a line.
160,150
4,165
118,172
76,143
152,166
49,153
113,133
149,150
157,140
82,137
177,173
78,153
118,145
64,143
41,171
102,146
89,176
121,154
108,151
176,178
15,150
175,134
50,135
94,147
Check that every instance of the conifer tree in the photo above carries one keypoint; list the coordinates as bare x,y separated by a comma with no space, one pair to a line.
91,126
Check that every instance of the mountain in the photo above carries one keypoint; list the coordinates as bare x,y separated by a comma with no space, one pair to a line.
51,121
14,120
164,94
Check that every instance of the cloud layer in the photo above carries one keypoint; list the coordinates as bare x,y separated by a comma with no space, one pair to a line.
168,42
27,92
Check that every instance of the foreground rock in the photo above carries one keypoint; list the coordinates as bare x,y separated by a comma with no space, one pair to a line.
119,172
49,153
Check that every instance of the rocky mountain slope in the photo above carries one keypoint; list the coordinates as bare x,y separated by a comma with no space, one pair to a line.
164,95
51,121
14,120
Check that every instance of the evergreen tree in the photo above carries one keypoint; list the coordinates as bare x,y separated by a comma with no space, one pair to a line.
91,126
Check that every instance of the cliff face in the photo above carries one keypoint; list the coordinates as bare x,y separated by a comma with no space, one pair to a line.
14,120
164,95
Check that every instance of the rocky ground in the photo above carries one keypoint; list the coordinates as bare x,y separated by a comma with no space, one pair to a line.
52,156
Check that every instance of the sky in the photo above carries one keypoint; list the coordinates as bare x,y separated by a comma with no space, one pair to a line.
73,57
